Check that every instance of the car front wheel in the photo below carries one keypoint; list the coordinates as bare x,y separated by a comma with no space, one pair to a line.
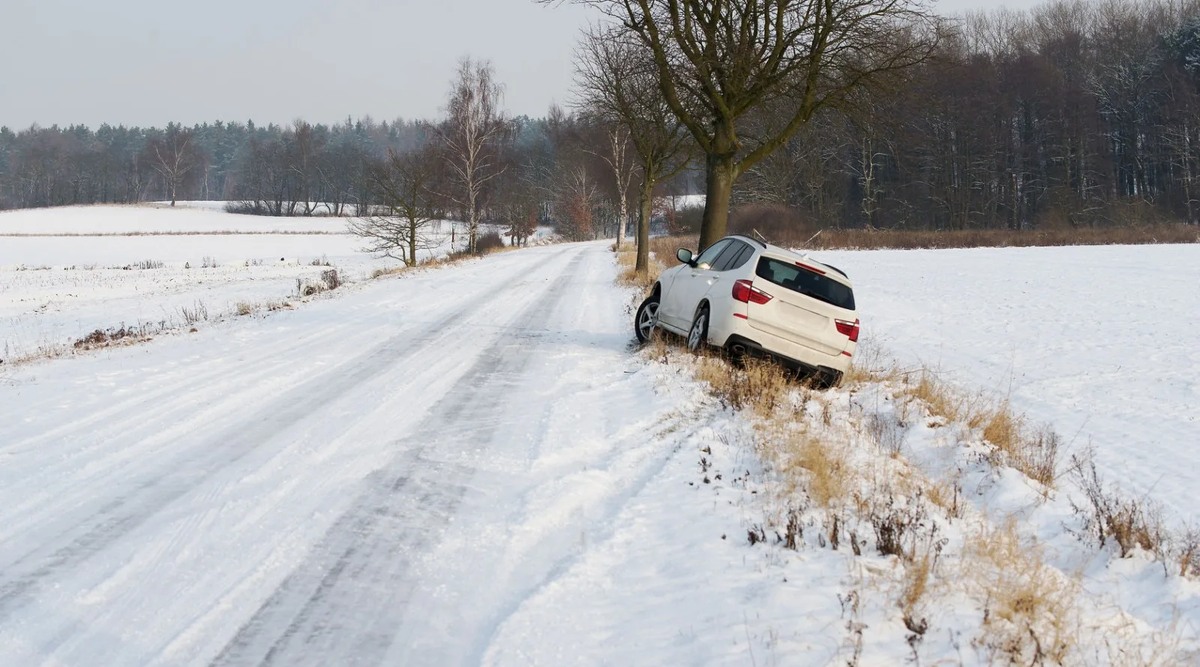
646,319
698,336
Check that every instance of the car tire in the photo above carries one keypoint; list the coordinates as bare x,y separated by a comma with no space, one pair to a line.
698,335
646,319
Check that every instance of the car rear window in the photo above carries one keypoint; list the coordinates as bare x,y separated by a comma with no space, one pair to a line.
806,282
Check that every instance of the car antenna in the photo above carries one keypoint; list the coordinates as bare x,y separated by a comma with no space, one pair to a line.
811,238
760,236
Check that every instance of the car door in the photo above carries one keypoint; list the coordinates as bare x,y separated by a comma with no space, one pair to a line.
677,306
706,277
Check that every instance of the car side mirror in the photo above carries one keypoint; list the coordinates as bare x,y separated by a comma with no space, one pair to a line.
684,255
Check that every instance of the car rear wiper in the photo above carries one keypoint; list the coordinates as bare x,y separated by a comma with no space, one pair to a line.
818,297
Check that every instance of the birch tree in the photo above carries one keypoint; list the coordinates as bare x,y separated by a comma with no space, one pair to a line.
617,156
472,133
174,156
616,80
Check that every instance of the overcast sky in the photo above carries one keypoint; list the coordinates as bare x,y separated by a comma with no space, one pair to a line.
146,62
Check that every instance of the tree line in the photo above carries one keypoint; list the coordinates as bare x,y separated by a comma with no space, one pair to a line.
1070,114
850,113
476,164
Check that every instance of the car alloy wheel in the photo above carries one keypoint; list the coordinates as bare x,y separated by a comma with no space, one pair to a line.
699,333
647,319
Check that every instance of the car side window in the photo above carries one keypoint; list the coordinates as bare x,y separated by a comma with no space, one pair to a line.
710,255
741,258
725,261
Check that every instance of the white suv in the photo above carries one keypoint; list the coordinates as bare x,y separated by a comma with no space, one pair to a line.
749,297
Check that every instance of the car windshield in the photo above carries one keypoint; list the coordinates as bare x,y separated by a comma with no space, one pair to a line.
809,283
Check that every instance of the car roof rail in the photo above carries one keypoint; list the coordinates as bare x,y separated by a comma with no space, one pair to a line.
749,238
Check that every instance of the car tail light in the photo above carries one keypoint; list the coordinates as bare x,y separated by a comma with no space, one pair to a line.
746,292
847,328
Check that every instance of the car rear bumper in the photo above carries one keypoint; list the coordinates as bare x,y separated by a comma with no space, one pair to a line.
779,347
739,345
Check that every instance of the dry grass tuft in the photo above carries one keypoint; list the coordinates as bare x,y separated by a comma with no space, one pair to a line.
387,271
1029,611
759,385
805,463
942,400
643,280
1034,452
662,257
918,573
946,495
1130,523
828,473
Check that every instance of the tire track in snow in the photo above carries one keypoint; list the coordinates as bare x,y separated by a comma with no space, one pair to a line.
188,412
126,512
346,603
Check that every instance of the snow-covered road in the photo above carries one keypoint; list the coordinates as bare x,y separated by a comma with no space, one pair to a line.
380,478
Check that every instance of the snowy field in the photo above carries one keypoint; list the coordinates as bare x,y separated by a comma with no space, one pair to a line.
63,271
472,466
204,217
1100,342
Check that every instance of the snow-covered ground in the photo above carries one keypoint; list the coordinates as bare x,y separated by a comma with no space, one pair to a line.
155,219
377,478
471,465
63,271
1100,342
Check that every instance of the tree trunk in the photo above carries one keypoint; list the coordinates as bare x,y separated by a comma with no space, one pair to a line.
621,223
412,242
718,189
472,244
645,210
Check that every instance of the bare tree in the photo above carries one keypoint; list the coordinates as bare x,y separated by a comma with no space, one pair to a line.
575,191
472,133
617,156
616,80
717,60
406,206
304,150
174,156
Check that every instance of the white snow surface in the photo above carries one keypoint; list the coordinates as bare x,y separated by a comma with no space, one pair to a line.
1100,342
63,271
380,477
155,218
462,466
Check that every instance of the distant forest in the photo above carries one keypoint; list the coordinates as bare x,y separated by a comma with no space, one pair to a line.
1070,114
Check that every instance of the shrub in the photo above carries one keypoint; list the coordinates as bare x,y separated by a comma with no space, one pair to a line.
780,224
488,243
